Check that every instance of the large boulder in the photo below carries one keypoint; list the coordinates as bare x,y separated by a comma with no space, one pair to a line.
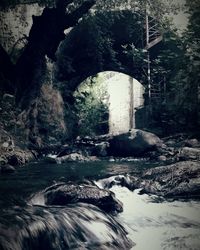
65,194
20,157
134,143
101,149
181,179
193,143
187,153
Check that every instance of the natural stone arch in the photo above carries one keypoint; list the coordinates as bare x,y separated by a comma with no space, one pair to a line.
96,45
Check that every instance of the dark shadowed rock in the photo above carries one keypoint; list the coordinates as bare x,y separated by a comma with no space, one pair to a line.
7,169
20,157
65,194
3,161
134,143
192,143
101,149
66,149
181,179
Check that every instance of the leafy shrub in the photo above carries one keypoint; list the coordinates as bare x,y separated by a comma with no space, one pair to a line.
91,104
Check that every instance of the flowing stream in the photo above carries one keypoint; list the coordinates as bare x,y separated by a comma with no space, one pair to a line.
148,221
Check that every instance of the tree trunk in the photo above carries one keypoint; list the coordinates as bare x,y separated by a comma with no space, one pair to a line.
44,38
6,72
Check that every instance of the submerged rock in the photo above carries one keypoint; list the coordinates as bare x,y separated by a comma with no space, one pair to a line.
134,143
65,194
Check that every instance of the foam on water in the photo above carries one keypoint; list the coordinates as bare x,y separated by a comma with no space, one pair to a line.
159,225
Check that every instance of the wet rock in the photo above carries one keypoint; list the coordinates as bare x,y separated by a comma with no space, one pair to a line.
131,182
162,158
15,160
8,144
187,153
181,179
71,157
192,143
7,169
9,99
170,143
73,193
50,159
66,149
3,161
101,149
20,157
134,143
74,157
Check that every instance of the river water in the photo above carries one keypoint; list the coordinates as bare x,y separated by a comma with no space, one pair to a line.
150,222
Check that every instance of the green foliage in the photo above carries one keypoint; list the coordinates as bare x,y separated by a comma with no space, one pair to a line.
92,107
158,9
98,45
179,62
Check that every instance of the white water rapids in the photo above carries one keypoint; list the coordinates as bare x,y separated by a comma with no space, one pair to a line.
154,225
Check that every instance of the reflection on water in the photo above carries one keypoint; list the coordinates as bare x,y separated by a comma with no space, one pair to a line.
157,226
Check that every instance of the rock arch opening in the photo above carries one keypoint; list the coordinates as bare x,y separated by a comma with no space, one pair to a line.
109,102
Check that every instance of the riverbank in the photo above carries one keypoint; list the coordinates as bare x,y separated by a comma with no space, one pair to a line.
11,155
177,158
